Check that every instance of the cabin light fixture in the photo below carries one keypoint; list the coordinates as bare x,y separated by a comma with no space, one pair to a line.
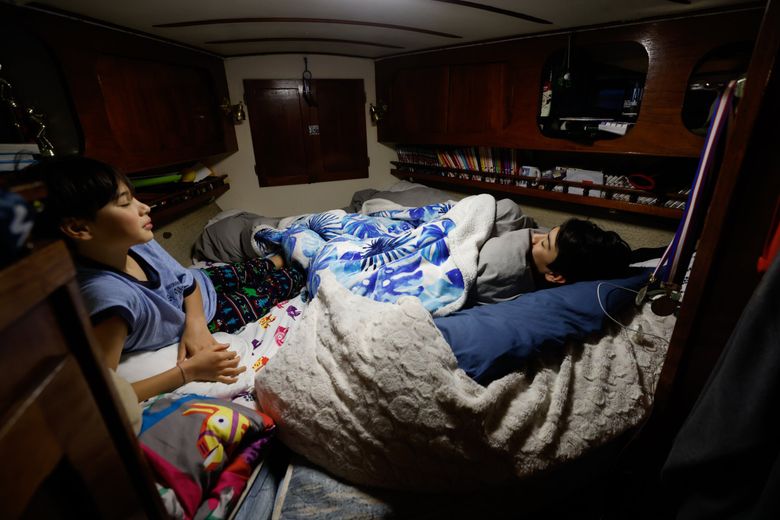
236,112
377,112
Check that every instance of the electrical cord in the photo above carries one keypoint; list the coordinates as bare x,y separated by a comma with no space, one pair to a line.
601,304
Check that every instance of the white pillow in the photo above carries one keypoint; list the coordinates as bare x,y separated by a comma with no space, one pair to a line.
140,365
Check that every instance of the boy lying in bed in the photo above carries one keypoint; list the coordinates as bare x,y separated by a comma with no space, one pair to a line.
517,258
138,297
519,261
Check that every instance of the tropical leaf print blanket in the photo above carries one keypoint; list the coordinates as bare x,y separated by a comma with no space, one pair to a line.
428,252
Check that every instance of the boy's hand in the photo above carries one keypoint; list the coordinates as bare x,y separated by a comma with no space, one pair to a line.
277,260
194,339
214,363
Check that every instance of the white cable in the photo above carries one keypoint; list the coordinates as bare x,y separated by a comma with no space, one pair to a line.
638,331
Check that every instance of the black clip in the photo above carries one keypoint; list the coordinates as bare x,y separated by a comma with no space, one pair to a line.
307,95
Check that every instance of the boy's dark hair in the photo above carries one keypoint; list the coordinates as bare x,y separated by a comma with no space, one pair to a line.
77,187
587,252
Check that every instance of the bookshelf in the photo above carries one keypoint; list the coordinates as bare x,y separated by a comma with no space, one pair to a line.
500,171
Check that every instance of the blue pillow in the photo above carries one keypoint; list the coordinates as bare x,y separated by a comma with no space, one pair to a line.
491,341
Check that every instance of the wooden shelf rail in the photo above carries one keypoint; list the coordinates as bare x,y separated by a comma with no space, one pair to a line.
540,188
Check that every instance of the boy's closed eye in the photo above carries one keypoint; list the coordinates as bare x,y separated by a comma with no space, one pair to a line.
124,198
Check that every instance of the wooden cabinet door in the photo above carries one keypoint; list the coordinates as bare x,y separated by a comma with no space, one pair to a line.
417,103
276,121
141,104
341,117
447,103
298,140
159,112
477,100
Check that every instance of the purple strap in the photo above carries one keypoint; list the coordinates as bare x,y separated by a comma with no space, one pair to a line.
680,245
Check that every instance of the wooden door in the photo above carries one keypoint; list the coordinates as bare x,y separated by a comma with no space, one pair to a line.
159,111
418,101
276,121
341,117
478,100
299,139
141,104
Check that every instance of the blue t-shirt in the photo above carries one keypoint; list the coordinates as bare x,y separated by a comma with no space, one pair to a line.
153,310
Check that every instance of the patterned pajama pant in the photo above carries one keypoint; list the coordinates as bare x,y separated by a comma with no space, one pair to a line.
247,290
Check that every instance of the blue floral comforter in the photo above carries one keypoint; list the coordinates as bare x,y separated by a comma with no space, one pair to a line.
429,252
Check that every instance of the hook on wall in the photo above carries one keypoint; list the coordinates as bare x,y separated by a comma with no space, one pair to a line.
306,77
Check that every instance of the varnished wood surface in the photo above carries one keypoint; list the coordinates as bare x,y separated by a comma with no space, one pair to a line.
66,447
472,186
32,279
747,192
724,274
277,123
299,141
674,48
141,104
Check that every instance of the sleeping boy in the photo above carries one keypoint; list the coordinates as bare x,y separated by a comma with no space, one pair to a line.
518,259
138,297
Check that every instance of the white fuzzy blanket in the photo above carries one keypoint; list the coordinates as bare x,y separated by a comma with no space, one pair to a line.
372,393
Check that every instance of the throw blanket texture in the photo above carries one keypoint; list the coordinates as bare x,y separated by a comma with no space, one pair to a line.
429,252
371,392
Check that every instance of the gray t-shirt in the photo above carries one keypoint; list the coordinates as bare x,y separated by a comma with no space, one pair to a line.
503,270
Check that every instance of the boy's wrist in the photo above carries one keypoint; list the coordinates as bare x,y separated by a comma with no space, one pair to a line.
185,374
194,322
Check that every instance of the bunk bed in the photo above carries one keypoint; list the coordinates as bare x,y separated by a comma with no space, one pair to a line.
371,396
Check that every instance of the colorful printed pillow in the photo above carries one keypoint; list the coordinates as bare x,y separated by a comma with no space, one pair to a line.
204,450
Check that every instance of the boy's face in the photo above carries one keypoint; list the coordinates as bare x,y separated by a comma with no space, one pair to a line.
544,251
124,221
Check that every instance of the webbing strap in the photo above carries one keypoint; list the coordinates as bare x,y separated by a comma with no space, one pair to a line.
670,261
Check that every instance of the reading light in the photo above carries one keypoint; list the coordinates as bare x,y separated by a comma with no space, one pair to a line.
377,112
237,111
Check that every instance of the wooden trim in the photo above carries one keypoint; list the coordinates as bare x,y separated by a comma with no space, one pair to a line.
497,10
74,320
534,193
724,274
43,271
329,40
223,21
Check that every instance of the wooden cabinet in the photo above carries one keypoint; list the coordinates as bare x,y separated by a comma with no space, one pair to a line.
141,104
314,137
66,447
435,104
489,95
